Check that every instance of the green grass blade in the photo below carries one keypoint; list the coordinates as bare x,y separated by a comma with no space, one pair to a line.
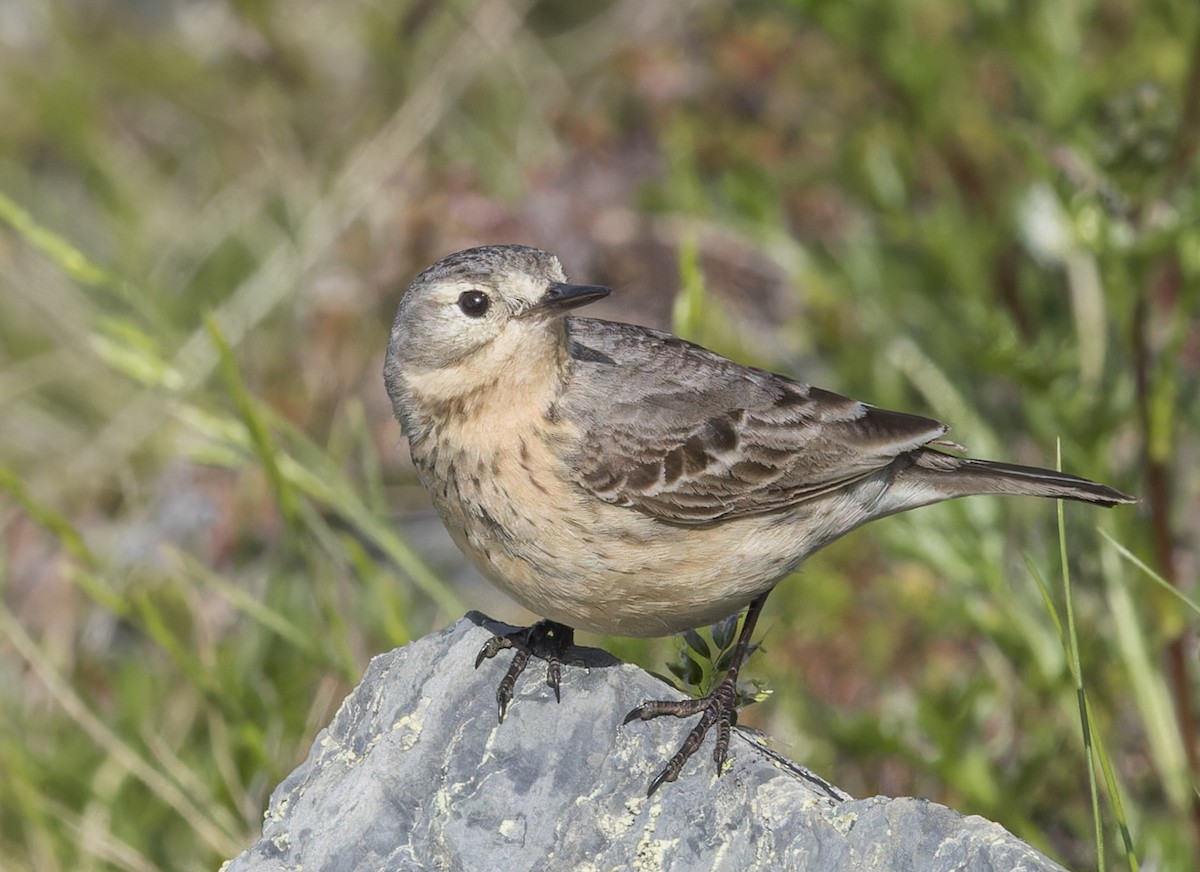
343,499
256,427
73,262
1077,675
53,522
1114,795
1154,576
253,608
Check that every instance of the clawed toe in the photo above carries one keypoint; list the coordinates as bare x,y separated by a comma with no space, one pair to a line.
545,639
717,709
680,708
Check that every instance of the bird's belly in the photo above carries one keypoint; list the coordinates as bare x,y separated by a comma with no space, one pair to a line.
609,569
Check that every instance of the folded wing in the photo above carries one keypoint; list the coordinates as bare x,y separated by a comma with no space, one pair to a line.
689,437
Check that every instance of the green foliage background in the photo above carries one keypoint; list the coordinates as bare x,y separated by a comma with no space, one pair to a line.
982,210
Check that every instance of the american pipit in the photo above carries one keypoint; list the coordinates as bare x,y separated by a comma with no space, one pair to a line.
618,479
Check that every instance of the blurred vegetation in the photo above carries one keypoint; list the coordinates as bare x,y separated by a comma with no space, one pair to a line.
983,210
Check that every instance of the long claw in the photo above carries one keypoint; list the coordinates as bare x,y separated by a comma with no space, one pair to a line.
553,671
491,648
680,708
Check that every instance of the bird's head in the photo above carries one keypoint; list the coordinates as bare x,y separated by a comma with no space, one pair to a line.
479,315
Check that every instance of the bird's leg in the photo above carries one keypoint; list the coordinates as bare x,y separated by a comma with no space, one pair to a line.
718,709
545,639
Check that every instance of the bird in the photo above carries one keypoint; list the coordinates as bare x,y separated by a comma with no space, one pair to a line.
621,480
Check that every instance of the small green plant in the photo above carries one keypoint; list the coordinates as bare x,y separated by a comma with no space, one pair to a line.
703,658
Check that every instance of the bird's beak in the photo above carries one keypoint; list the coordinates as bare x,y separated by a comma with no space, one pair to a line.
561,296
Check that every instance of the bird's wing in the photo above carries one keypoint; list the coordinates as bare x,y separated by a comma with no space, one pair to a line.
687,436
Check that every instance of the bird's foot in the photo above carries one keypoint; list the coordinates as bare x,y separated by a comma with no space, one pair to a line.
545,639
718,709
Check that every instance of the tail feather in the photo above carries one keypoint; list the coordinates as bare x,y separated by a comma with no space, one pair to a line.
960,477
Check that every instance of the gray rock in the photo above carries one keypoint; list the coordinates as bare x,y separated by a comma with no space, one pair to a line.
416,773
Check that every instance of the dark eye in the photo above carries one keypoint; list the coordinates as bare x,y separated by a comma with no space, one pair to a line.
474,304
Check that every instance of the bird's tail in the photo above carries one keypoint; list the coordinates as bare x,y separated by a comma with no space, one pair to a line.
959,477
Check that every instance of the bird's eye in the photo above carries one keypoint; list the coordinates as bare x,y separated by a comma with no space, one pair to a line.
474,304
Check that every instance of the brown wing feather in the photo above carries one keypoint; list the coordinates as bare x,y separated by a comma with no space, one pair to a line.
685,435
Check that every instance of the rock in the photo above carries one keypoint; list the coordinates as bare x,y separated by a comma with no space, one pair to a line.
416,773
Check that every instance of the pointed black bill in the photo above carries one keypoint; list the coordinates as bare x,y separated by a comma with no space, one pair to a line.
561,296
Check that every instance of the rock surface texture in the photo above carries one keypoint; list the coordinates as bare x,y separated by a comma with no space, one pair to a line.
416,773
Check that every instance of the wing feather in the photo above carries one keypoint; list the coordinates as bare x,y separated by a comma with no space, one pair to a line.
687,436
